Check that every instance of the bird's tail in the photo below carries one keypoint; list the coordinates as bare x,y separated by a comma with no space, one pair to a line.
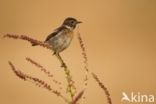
34,44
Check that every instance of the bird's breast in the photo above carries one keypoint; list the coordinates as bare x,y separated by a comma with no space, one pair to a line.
66,39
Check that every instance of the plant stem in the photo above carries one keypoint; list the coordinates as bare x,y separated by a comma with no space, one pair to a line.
71,89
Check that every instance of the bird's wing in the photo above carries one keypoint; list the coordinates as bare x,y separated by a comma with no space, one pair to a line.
51,35
56,31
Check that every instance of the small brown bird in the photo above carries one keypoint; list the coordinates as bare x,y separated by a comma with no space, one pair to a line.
61,38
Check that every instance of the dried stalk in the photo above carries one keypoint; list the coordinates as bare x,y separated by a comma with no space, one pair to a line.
103,87
83,49
78,97
71,89
31,40
39,66
42,69
36,81
85,62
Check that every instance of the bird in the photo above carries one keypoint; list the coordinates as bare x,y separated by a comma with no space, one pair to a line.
61,37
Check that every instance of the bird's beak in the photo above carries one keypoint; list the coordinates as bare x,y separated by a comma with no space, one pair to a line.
79,22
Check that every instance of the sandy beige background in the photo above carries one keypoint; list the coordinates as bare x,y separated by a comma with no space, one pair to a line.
120,38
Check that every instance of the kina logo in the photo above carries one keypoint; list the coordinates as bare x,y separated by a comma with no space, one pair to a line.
137,97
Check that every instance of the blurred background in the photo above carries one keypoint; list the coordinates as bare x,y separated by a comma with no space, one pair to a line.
120,41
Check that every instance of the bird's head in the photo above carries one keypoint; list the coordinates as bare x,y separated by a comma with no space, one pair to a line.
71,22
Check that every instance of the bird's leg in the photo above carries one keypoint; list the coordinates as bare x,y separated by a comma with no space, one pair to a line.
61,60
